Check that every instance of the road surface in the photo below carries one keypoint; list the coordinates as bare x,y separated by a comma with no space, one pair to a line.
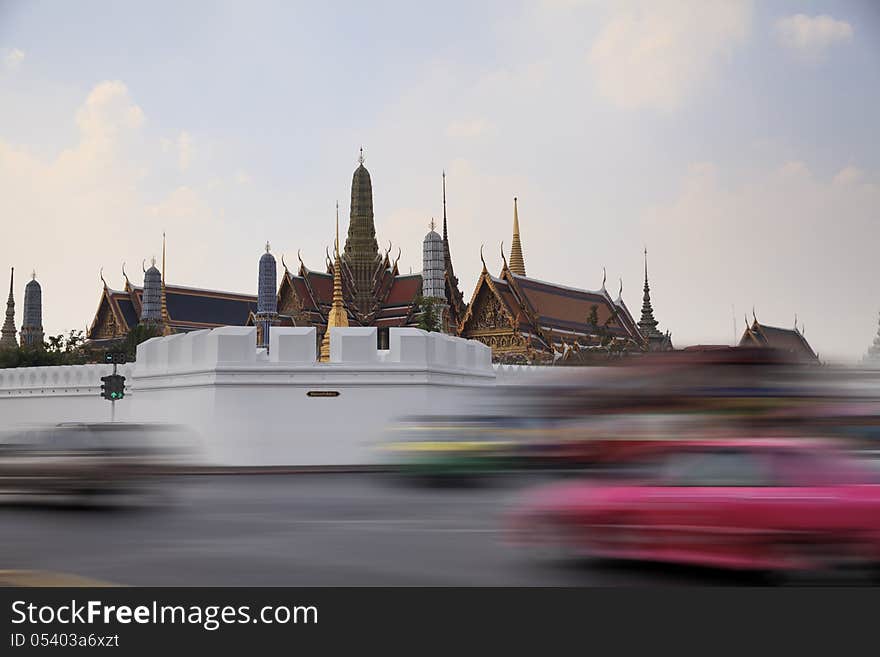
297,530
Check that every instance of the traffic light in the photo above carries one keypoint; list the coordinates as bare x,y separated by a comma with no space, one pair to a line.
115,357
113,387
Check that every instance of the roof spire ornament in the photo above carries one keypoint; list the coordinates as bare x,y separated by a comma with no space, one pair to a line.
7,335
517,264
166,329
647,323
360,160
337,317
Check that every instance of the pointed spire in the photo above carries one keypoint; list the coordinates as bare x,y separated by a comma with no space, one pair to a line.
165,327
517,264
647,323
338,315
7,335
445,236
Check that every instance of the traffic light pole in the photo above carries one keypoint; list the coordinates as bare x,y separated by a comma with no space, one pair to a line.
113,402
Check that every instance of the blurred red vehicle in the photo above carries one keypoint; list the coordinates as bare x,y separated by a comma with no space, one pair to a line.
781,504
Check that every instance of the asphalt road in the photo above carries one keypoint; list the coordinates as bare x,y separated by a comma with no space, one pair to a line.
298,530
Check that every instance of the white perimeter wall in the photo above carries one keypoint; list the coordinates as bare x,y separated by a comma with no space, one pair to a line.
253,408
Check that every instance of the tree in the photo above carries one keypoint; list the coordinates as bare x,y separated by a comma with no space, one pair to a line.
56,350
428,315
140,333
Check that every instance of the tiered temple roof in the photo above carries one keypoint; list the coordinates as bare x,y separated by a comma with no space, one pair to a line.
188,309
790,340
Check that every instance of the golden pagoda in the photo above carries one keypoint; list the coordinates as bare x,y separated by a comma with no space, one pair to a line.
517,264
337,316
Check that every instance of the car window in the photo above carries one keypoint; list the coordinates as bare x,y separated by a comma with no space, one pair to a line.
822,469
716,468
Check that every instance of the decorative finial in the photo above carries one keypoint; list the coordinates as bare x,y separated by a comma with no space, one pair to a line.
336,244
432,223
444,195
361,157
755,317
604,277
795,322
503,259
299,257
482,259
153,261
283,264
101,274
144,265
267,246
620,291
34,272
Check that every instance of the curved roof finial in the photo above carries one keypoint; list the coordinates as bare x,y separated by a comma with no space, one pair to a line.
299,257
144,265
503,259
604,277
283,264
795,322
483,260
620,291
397,259
746,320
123,272
101,274
755,317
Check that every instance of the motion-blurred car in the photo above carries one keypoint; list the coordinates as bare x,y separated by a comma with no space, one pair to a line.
450,447
88,460
766,505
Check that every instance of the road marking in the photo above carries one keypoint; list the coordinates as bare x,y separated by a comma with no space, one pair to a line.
40,578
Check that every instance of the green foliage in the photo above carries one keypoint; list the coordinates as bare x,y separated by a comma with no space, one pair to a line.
429,319
140,333
56,350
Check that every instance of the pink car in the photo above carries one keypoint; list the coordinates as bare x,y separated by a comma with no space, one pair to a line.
742,504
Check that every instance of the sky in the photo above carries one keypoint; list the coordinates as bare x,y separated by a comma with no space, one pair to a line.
737,141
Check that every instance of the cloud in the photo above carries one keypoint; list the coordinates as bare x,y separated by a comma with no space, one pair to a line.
468,128
655,54
185,150
811,36
784,240
11,58
105,199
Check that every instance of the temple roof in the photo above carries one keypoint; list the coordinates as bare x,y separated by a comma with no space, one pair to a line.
188,308
791,340
567,308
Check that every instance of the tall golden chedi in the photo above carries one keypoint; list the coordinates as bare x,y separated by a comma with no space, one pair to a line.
517,264
338,315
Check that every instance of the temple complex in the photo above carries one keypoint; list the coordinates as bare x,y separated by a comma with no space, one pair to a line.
528,320
373,291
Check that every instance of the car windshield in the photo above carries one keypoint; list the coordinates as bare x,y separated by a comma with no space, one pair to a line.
715,468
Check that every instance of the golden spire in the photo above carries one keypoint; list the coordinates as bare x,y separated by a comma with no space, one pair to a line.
517,265
166,330
338,315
